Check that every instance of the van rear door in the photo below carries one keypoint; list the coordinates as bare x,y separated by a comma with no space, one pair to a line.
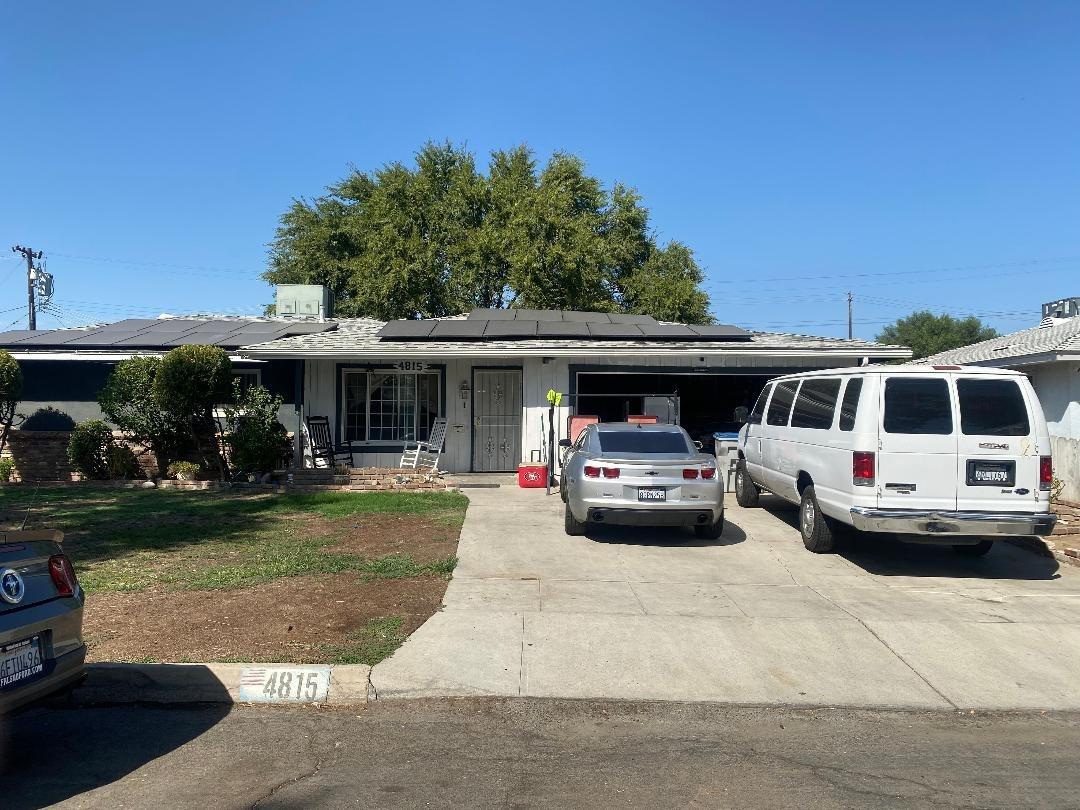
916,461
998,461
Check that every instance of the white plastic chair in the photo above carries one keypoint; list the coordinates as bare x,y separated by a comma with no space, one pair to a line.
423,455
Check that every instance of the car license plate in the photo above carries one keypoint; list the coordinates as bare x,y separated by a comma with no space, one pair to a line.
991,473
20,661
651,494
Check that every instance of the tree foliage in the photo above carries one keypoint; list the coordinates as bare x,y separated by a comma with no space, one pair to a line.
128,401
88,449
259,442
190,383
11,383
926,333
441,238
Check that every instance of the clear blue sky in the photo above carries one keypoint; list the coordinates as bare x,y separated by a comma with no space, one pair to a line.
800,149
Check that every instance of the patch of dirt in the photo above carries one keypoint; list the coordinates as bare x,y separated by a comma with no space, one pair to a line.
293,620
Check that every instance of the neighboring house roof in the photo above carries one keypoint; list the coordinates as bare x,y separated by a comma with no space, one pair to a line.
157,334
1040,343
360,337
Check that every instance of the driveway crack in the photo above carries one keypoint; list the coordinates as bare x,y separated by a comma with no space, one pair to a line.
886,645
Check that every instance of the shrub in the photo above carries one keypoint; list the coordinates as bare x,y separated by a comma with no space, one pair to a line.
191,381
129,403
87,449
11,383
48,418
7,467
258,441
120,461
184,470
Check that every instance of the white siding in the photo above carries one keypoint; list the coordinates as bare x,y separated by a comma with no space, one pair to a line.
1058,387
320,381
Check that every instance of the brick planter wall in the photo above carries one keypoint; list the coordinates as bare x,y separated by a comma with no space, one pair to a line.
41,455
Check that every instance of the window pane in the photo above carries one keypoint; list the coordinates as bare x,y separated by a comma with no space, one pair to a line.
780,405
401,407
816,404
850,406
759,406
643,441
992,408
918,405
355,427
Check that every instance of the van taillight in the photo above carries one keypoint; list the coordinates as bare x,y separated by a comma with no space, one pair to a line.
63,575
862,468
1046,473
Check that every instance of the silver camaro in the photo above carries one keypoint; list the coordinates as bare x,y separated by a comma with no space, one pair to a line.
41,609
641,475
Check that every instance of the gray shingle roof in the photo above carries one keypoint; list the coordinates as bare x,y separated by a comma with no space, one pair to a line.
1058,338
359,337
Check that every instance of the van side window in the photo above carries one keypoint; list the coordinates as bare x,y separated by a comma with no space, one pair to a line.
816,404
918,405
992,408
780,405
850,406
759,407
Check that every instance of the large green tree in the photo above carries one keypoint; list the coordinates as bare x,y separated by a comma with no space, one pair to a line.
440,237
926,333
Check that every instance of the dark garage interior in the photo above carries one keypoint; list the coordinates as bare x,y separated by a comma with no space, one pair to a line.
706,401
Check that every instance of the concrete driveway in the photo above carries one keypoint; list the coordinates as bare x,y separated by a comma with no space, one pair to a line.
752,618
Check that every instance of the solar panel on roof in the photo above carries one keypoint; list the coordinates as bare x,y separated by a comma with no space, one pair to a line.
484,314
625,318
510,329
721,331
110,338
546,316
459,329
56,337
587,317
17,336
562,329
399,330
664,330
527,314
615,331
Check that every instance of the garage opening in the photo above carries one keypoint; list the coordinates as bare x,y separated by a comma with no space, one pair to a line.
704,403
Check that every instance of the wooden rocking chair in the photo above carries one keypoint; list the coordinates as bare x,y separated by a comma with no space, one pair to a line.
425,455
322,444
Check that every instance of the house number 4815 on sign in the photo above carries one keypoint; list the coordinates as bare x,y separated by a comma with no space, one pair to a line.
288,684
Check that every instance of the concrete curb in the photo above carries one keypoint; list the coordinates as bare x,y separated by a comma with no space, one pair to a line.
201,683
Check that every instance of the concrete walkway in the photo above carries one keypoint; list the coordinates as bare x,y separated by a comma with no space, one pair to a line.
752,618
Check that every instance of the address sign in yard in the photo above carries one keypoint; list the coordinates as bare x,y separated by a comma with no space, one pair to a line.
284,684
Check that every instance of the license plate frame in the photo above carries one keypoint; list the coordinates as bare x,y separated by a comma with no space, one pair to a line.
983,473
651,494
31,668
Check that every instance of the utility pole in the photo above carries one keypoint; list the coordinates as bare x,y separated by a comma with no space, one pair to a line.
850,298
31,279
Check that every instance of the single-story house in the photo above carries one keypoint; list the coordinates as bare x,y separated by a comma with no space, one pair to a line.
1049,354
487,373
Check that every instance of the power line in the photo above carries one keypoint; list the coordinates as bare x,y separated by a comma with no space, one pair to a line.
166,265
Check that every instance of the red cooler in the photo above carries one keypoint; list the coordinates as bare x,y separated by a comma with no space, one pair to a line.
531,476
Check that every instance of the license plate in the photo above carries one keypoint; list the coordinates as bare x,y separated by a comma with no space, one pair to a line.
991,473
20,661
651,494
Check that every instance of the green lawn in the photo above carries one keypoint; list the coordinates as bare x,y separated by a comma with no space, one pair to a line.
128,540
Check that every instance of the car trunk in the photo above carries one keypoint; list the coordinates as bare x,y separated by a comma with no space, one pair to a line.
27,554
660,472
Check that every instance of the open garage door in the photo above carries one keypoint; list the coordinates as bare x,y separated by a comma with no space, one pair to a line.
706,403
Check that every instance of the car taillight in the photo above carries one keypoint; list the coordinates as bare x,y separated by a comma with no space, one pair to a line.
1046,473
610,472
690,473
708,473
63,575
592,472
862,468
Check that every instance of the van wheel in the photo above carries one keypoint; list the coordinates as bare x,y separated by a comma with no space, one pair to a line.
747,493
976,550
573,526
712,532
817,534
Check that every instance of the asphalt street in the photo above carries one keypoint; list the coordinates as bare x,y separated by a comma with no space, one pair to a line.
517,753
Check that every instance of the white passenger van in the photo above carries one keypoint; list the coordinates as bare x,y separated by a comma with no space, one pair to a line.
946,454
